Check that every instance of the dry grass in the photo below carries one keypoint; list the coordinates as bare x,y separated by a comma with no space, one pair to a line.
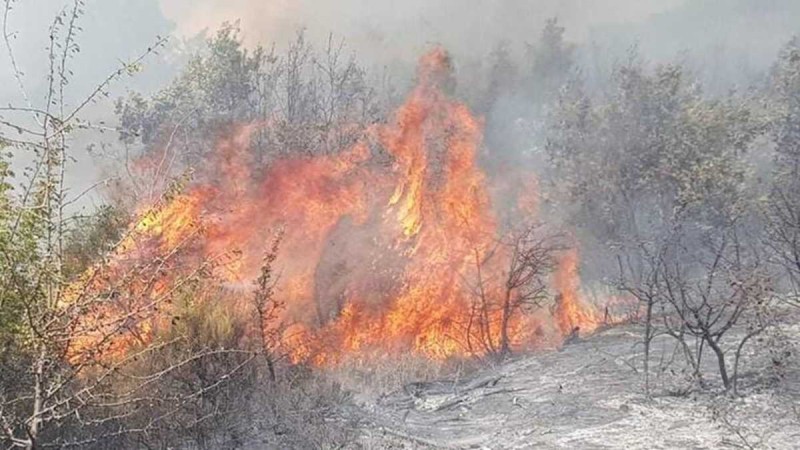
375,375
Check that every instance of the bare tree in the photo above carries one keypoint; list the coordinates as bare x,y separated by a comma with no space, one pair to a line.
707,292
267,308
640,279
717,295
522,283
783,233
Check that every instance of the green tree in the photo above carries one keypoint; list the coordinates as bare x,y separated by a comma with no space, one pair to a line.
649,154
783,203
552,62
303,100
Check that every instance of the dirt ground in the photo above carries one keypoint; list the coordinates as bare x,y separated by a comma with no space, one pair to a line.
590,395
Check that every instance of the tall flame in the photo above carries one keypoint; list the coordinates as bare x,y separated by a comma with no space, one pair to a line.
375,256
571,313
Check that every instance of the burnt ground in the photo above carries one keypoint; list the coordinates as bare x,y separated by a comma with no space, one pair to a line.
589,395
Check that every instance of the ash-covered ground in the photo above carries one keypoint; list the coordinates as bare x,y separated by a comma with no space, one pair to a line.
590,395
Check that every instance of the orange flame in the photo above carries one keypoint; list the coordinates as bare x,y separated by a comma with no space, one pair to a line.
571,313
374,256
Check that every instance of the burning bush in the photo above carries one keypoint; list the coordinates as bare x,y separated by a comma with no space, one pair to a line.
391,245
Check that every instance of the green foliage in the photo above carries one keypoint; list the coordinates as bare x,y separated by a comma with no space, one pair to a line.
783,203
552,62
220,84
304,100
653,151
786,95
21,231
90,238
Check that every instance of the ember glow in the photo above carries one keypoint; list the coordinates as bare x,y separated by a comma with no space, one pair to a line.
382,242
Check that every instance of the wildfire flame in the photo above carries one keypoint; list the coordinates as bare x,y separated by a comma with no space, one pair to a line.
572,315
375,256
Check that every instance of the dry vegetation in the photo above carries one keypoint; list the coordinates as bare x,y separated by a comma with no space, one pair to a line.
135,328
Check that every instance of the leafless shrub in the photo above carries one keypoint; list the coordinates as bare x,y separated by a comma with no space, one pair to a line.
531,253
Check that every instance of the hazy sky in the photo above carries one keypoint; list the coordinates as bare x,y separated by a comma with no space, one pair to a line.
729,41
385,29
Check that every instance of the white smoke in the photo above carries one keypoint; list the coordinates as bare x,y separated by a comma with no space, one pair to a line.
385,30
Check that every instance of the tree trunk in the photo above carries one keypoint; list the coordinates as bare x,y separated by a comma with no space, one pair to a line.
648,331
505,347
699,359
38,398
738,356
723,371
270,366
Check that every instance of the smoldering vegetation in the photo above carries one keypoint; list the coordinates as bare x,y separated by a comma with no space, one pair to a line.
299,248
